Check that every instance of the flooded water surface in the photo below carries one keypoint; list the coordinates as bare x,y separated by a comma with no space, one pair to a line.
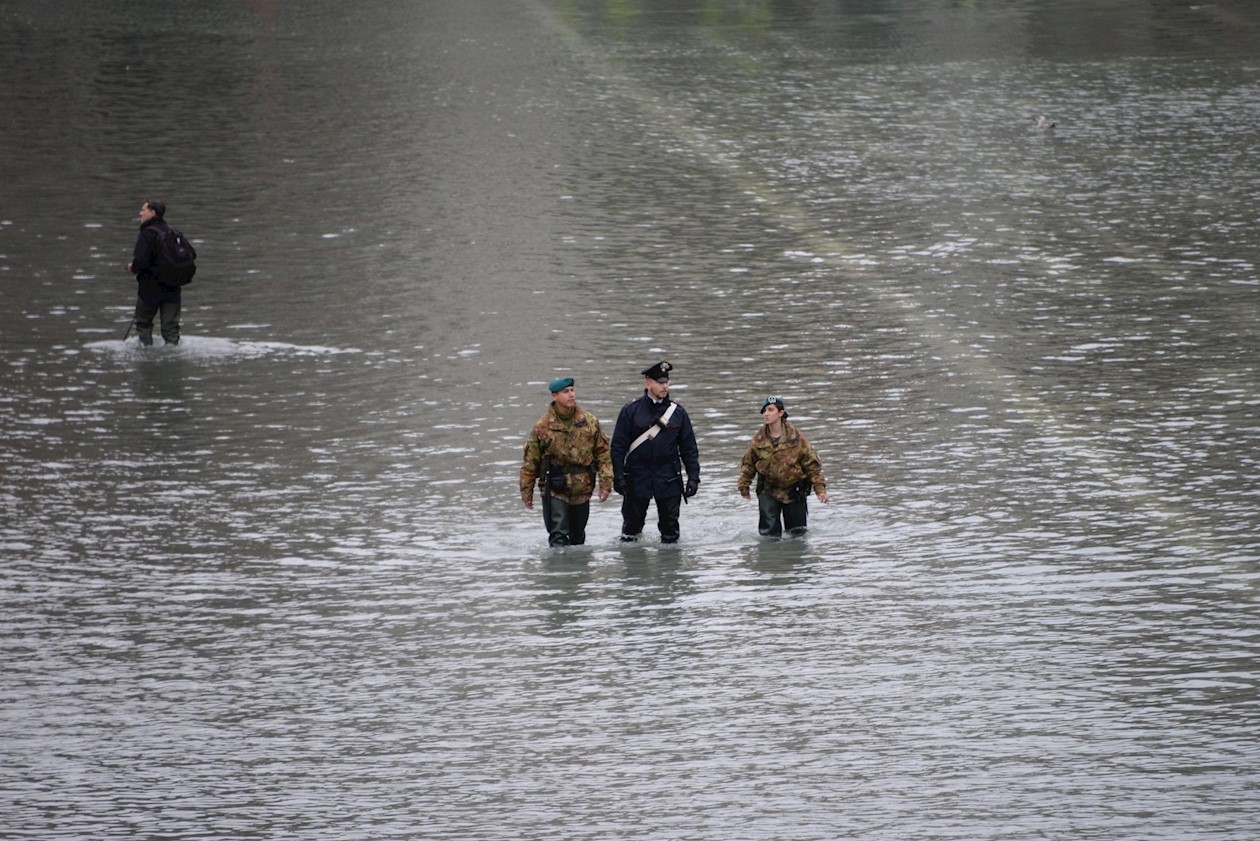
277,582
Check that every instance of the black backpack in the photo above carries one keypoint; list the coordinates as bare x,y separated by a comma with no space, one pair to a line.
174,257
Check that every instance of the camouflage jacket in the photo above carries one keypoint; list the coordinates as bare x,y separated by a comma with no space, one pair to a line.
575,445
780,466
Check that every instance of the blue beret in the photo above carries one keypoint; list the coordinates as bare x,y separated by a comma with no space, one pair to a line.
559,384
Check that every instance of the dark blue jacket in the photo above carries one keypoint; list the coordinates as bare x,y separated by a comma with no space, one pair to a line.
654,468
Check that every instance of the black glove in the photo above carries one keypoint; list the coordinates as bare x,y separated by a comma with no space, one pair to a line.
693,485
619,484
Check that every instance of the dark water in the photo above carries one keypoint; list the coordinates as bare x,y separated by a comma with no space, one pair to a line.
277,582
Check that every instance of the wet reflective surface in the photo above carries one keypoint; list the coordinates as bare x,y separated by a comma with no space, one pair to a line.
277,582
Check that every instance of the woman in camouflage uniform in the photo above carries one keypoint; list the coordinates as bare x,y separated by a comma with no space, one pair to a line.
565,452
787,469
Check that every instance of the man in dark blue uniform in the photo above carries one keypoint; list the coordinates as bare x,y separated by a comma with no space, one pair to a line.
651,444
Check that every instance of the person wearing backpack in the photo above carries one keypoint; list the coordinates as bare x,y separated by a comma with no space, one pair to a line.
162,263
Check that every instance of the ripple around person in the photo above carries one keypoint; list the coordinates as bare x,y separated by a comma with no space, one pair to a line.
202,347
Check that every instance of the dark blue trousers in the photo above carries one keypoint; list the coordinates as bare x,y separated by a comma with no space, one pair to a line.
634,515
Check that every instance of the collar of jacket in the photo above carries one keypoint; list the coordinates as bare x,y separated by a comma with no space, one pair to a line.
789,434
663,405
575,417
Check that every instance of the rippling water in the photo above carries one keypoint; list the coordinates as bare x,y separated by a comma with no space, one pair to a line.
277,582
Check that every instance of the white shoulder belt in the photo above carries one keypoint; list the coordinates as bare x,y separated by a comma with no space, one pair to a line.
652,431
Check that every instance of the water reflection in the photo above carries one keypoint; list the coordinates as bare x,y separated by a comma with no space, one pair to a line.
579,586
655,582
565,585
278,580
786,562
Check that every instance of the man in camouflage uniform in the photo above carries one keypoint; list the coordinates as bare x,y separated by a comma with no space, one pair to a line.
787,469
565,452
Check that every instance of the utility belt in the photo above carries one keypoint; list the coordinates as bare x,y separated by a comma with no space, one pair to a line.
796,492
558,475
